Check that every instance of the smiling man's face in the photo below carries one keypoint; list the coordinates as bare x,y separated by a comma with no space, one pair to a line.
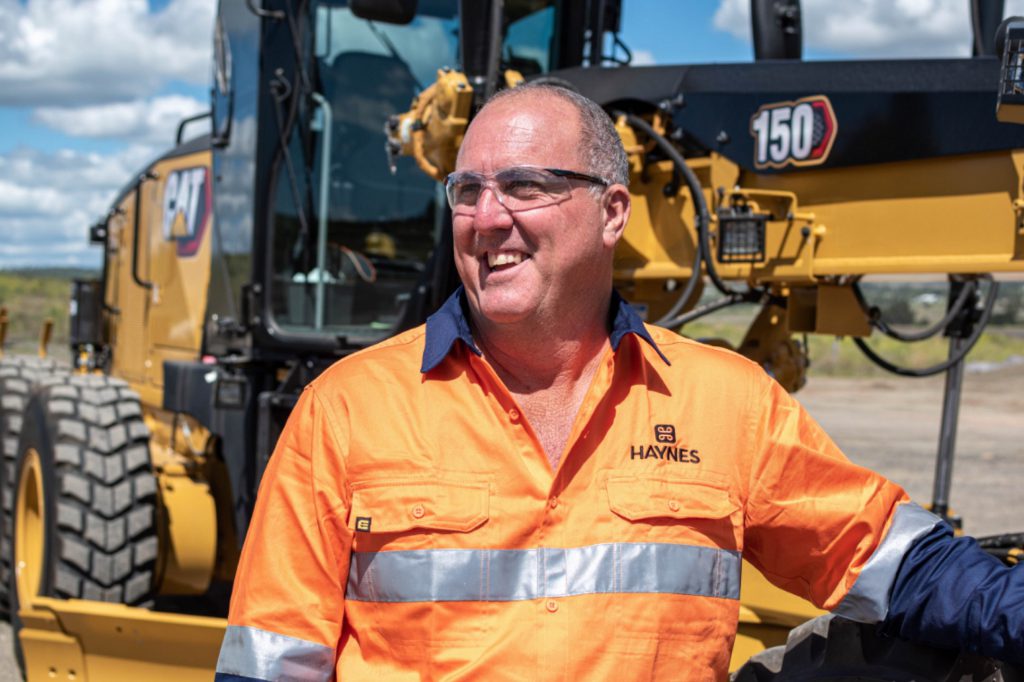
537,265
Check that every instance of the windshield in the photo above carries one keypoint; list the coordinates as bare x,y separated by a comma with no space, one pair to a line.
529,34
351,238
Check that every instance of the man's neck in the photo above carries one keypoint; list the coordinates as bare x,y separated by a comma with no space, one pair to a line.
528,364
536,355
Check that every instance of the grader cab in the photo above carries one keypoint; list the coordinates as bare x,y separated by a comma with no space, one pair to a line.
310,224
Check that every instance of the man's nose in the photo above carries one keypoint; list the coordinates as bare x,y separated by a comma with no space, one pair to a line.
491,214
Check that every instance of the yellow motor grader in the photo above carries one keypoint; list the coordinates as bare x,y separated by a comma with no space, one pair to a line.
309,224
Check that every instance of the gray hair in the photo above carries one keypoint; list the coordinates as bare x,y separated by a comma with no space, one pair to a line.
600,146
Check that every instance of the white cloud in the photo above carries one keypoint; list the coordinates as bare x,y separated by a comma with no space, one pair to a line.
645,58
148,121
91,51
874,29
733,17
48,201
97,69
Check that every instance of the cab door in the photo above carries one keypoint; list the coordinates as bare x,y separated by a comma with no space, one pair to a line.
179,261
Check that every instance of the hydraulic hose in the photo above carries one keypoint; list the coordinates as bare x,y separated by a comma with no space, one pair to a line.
979,327
668,319
702,216
873,314
705,309
672,317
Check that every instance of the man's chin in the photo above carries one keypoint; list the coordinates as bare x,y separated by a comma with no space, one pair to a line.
502,312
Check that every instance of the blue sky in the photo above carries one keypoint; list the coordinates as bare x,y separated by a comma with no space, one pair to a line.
90,90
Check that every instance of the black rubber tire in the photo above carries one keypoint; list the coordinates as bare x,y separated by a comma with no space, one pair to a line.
19,375
99,493
834,648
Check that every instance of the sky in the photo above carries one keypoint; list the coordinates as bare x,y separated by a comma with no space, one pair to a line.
92,90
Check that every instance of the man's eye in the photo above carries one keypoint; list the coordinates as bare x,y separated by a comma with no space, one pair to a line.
524,187
467,193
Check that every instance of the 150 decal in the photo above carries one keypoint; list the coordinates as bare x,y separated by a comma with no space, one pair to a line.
797,133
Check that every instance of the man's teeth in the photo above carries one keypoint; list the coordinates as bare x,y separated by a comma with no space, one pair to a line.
496,259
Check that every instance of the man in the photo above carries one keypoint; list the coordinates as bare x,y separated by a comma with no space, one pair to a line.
535,485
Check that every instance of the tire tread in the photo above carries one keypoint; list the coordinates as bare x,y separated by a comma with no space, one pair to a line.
19,377
107,526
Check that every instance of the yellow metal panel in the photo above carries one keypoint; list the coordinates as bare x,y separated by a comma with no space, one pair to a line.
52,656
163,322
946,214
839,313
180,270
189,519
190,550
753,639
128,326
118,643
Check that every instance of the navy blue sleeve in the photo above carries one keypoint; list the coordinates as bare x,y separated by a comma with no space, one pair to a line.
951,593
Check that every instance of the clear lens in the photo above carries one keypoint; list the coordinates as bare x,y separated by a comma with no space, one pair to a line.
518,189
529,187
464,189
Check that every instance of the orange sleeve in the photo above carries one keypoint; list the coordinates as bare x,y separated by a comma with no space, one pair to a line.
813,518
294,565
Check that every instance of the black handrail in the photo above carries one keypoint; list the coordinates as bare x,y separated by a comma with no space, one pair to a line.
148,175
186,121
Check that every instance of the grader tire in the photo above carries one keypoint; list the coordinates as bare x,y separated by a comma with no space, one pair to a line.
85,505
19,375
833,648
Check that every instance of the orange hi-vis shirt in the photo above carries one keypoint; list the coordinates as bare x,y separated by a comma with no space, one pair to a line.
409,525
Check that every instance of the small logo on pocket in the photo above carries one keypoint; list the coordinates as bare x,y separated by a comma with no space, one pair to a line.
363,523
664,433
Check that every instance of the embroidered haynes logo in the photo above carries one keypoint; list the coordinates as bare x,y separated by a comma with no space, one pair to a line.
666,448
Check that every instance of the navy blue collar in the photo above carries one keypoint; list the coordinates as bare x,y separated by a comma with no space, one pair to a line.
450,324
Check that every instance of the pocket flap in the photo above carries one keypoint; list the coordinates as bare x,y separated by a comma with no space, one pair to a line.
637,497
395,506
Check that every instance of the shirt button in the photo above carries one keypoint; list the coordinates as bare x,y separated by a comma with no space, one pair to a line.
418,511
553,503
673,505
513,414
551,605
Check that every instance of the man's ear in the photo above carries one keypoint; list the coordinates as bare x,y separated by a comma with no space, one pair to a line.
616,204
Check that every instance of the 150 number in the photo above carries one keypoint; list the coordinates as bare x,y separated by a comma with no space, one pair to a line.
786,133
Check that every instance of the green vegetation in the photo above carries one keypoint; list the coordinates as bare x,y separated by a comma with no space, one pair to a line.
33,296
907,306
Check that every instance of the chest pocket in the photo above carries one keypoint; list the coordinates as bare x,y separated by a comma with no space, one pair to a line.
667,509
395,507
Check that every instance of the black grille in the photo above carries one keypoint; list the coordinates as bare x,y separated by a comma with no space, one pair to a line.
741,235
1012,81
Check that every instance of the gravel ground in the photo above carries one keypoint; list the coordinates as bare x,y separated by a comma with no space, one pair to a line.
8,666
892,426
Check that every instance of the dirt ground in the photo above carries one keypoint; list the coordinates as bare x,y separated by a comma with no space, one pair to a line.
892,426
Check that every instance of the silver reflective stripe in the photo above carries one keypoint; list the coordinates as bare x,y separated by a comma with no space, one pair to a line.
263,655
868,599
430,575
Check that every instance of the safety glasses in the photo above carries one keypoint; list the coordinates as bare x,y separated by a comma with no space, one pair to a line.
519,188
